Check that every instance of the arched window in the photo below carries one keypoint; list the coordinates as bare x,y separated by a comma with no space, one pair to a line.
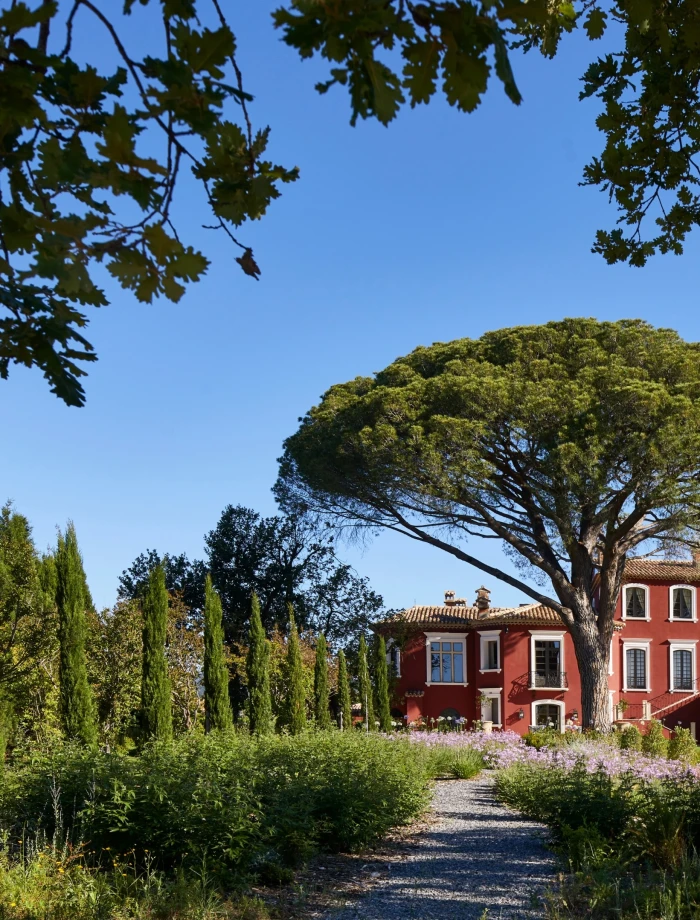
682,602
635,602
450,714
548,714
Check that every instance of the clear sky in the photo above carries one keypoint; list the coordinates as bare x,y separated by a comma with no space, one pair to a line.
444,225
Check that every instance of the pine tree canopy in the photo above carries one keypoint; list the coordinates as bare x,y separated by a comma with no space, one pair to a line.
72,600
156,704
216,698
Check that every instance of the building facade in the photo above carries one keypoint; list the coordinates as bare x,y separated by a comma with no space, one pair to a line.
516,666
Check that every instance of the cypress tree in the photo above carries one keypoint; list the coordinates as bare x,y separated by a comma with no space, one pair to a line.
344,692
72,599
258,673
321,710
295,715
365,687
217,706
156,705
381,678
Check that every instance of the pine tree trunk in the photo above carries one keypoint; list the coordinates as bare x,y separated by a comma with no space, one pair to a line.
592,655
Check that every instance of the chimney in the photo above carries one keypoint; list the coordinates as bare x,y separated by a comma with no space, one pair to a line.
449,598
483,600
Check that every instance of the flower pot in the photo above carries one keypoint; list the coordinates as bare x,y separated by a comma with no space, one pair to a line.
487,725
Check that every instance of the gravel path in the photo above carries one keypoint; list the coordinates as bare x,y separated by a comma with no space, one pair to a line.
475,856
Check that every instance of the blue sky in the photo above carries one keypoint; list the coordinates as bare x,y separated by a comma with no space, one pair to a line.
443,225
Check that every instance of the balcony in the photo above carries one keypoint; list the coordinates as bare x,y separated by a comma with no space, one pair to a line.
548,680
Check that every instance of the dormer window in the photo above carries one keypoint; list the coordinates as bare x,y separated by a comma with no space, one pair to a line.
636,603
682,602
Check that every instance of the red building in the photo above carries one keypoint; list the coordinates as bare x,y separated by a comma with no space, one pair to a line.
516,666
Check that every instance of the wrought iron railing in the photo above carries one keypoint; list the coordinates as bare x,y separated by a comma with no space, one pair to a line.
550,680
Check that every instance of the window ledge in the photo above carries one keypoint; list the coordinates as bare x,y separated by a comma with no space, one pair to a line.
636,690
674,690
445,683
490,670
550,689
682,620
636,619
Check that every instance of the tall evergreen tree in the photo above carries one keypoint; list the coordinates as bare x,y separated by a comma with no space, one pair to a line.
156,705
217,706
344,692
258,674
321,710
365,687
72,600
381,685
295,708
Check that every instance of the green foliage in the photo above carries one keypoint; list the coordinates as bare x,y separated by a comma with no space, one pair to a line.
345,704
458,763
365,687
295,704
73,599
682,746
216,701
439,444
156,704
243,804
630,739
258,674
654,742
321,710
75,148
381,685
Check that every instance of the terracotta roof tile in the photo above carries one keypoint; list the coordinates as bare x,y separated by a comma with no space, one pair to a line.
452,616
681,570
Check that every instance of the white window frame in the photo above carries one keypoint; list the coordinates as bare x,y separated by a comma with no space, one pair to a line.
391,646
484,638
546,635
559,703
611,667
644,644
493,693
684,646
445,637
647,608
694,609
611,705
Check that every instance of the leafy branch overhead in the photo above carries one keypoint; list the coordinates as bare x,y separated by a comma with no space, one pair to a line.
390,52
73,165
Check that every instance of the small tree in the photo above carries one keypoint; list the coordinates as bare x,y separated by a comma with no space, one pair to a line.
365,686
72,599
381,685
344,692
295,704
321,710
654,742
156,706
257,671
216,701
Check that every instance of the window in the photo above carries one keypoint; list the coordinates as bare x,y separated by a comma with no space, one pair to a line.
636,667
682,669
446,664
682,602
393,658
547,660
490,652
682,666
450,714
635,607
548,715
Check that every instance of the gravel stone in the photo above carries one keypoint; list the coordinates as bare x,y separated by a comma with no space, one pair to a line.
475,856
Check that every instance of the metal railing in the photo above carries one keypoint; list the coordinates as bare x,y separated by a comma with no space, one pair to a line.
548,680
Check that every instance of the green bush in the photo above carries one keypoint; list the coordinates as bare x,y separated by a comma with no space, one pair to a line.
246,806
544,737
459,763
683,747
630,739
654,742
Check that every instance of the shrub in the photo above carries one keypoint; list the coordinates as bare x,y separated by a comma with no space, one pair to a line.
459,763
245,805
682,746
544,737
654,742
630,739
